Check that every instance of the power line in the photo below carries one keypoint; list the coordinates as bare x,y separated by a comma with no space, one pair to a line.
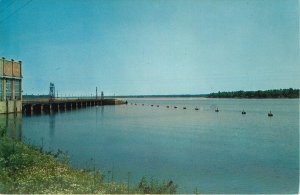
23,6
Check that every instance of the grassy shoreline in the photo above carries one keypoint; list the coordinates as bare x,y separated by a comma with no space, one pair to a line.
27,169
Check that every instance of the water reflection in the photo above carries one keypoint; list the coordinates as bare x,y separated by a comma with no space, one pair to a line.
101,112
52,124
11,125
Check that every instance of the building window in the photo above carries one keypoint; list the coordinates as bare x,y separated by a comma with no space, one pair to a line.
1,89
8,89
17,90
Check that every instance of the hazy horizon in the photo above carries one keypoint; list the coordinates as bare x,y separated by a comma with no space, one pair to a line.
147,95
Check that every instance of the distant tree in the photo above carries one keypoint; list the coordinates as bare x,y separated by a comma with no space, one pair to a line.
274,93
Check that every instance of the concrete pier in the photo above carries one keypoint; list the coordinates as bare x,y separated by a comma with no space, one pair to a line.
46,105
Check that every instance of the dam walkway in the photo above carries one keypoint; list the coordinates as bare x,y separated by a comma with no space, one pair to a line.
48,105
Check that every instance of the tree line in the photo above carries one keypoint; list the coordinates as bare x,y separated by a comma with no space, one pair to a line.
273,93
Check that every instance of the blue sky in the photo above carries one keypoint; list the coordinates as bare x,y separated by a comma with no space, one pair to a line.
131,47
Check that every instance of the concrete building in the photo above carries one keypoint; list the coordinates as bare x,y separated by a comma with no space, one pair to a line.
10,86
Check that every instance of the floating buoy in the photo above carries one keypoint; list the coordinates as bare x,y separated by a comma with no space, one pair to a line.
270,114
243,112
196,108
217,110
184,108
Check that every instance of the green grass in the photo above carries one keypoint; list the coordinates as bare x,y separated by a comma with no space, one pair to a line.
27,169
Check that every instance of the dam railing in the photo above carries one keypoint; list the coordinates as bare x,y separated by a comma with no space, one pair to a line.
57,104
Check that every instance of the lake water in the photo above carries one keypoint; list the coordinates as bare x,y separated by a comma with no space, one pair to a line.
224,152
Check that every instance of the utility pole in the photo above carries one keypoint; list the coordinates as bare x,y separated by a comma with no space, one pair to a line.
102,95
96,93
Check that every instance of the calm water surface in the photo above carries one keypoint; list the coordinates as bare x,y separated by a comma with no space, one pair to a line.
223,152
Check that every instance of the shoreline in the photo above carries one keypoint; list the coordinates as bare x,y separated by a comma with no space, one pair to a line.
27,169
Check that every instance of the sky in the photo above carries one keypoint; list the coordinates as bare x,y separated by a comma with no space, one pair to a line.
147,47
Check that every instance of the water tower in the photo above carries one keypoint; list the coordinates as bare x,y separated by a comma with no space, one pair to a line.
52,91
